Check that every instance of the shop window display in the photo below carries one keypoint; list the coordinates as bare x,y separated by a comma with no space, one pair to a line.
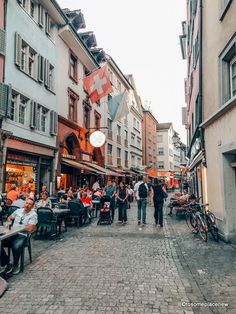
23,176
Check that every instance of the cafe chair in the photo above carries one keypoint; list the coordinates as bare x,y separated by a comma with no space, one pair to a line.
46,221
77,212
27,245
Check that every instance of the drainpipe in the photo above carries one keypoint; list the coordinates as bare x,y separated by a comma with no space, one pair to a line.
201,131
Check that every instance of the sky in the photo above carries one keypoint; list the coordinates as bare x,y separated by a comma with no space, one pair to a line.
143,39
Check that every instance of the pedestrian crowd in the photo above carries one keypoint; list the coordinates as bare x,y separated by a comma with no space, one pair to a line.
120,195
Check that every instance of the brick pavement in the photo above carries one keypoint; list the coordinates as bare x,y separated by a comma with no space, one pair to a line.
125,269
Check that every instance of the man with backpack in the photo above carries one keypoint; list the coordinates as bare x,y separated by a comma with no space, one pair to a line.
141,195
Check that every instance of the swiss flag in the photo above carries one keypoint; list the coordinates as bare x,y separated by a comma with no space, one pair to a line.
98,84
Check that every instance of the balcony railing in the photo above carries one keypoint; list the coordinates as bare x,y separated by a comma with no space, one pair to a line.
126,143
109,134
109,160
118,139
118,162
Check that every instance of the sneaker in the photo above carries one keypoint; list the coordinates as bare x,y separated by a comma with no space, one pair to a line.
8,269
125,222
16,270
139,222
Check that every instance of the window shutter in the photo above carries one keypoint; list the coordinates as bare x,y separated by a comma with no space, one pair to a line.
33,117
47,23
2,41
46,72
53,123
40,68
18,44
8,111
4,95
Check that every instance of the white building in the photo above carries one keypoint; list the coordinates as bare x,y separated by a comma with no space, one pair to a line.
165,151
135,117
31,69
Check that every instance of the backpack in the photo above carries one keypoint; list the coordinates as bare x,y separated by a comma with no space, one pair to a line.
142,191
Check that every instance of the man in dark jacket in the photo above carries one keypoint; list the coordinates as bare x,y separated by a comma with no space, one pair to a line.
158,200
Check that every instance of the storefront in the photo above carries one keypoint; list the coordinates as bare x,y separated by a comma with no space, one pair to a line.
27,171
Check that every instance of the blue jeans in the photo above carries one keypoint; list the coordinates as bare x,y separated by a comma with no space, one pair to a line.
142,204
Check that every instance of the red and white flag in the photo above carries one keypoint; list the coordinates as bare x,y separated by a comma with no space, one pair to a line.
98,84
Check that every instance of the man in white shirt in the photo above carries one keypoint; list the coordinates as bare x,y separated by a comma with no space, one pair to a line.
141,199
96,186
23,217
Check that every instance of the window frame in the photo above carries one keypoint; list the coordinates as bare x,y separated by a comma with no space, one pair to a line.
75,97
75,76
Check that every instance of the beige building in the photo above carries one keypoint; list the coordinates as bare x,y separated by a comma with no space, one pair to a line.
219,114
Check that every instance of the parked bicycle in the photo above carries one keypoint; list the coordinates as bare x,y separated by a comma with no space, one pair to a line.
202,220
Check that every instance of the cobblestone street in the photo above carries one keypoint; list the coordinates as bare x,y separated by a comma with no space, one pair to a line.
125,269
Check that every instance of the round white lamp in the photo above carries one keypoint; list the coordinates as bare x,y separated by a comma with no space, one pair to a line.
97,139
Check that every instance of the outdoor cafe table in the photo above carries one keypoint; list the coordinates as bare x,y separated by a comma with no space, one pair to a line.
61,214
5,233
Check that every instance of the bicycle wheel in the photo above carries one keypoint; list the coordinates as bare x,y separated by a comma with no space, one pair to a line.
190,220
201,228
215,233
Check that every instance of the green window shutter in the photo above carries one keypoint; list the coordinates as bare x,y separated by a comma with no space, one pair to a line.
46,72
2,42
33,117
18,44
40,68
4,92
53,123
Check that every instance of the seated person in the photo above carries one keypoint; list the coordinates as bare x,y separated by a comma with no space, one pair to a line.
105,208
86,199
20,202
44,201
23,217
99,193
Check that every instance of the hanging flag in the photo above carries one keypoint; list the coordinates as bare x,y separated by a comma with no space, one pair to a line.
118,106
98,84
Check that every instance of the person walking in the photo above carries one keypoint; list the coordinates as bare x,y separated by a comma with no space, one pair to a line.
110,190
141,195
158,200
122,196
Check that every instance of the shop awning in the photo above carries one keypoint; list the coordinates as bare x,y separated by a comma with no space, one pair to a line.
117,171
101,170
77,165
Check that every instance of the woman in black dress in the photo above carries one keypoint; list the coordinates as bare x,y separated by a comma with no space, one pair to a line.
122,196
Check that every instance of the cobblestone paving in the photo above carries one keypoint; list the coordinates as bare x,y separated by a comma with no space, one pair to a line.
125,269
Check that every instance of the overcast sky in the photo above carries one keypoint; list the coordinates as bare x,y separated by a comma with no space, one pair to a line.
143,39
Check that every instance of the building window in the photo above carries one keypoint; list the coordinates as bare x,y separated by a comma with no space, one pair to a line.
51,77
87,109
73,102
233,77
118,130
161,151
159,138
132,139
138,142
48,25
73,70
41,115
109,124
228,71
118,152
22,110
97,119
17,110
133,161
12,109
32,9
109,149
161,165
